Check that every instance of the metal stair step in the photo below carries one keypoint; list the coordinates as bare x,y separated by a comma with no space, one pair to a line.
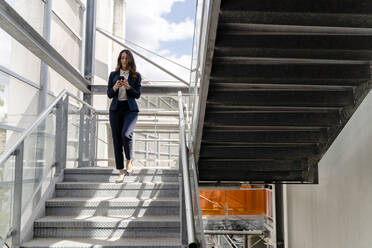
97,189
113,171
116,186
103,226
109,206
75,177
102,243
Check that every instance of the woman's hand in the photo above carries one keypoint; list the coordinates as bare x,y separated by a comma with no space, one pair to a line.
126,84
117,85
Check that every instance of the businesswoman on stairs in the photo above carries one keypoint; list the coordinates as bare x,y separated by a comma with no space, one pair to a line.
124,86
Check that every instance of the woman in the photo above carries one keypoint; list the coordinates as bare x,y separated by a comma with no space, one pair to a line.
124,86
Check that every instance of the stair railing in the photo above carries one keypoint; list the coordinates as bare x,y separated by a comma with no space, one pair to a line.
20,159
192,234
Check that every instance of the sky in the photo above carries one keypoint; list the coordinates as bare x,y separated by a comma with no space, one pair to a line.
165,27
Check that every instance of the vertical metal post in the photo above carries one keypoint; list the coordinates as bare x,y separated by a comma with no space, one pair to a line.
90,41
82,131
134,146
82,14
279,216
64,132
17,196
41,136
158,151
273,211
169,150
93,138
146,149
87,135
245,241
58,148
43,66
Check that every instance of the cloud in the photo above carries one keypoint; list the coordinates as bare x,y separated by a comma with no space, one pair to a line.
146,26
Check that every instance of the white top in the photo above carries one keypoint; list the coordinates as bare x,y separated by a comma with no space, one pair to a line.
122,91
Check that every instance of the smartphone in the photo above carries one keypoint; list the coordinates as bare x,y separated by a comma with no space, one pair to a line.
121,78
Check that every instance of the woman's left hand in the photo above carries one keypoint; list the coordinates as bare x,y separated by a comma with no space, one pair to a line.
126,84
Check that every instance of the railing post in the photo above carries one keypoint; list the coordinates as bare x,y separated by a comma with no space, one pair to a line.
246,245
185,176
92,141
82,131
183,233
64,132
17,196
146,150
58,148
134,146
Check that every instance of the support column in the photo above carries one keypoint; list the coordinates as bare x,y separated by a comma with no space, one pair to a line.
90,41
89,45
17,196
41,134
89,58
279,223
44,67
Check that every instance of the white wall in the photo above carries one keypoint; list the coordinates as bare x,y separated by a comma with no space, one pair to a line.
337,212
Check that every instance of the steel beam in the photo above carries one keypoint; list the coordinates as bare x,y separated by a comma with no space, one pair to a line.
322,6
274,52
26,35
293,18
225,95
272,118
249,28
252,165
293,71
211,33
228,136
293,152
293,41
267,177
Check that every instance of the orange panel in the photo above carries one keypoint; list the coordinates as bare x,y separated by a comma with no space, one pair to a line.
234,202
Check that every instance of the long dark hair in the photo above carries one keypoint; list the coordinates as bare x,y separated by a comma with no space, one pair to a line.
131,64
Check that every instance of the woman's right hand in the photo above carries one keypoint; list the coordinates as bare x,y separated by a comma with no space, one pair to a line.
117,85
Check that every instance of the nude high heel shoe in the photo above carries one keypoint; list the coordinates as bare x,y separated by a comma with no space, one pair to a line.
120,179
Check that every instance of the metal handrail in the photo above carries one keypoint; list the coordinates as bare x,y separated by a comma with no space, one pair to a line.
233,232
186,180
3,241
28,131
4,156
141,56
17,149
82,102
147,50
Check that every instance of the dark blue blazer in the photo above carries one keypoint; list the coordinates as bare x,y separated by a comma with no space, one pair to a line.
132,94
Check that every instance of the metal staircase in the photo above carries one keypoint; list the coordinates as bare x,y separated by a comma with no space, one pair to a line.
90,210
83,206
282,79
